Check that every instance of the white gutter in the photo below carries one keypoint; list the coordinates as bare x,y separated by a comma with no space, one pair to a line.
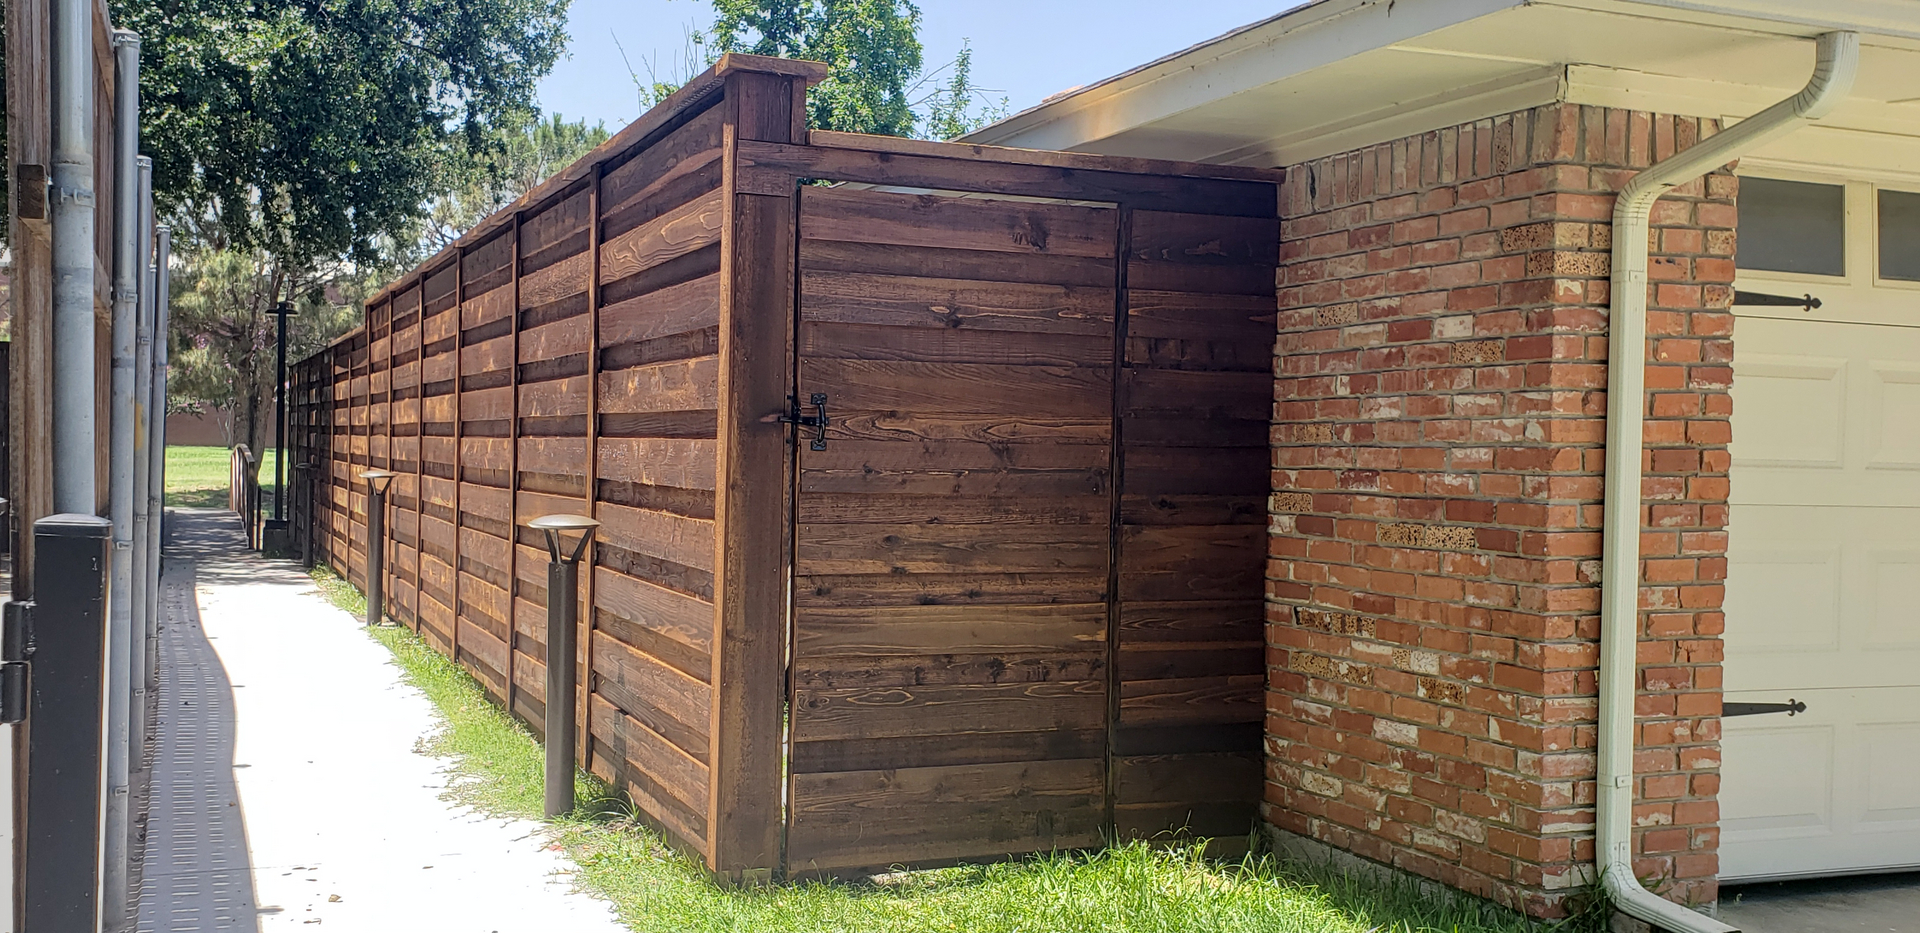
1833,74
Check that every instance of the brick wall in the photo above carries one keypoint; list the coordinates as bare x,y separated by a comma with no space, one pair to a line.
1438,427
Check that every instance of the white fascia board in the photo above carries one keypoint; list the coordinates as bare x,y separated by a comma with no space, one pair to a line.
1893,19
1298,41
1600,86
1452,107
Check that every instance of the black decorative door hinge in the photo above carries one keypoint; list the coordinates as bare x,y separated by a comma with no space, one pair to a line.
16,647
1791,708
1804,302
818,421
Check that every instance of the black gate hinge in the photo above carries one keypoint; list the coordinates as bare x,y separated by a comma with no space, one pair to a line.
16,649
817,421
1791,708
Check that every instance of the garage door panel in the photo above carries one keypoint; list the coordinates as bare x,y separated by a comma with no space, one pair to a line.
1823,598
1892,772
1894,620
1798,802
1803,401
1787,599
1895,416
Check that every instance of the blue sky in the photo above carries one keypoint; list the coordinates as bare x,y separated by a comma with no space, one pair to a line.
1022,49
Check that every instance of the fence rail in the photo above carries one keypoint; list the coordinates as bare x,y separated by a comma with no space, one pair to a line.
1013,603
243,490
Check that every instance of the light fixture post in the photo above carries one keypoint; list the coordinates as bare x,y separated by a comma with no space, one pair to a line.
377,483
563,599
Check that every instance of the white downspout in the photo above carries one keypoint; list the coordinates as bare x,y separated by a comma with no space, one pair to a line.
1833,73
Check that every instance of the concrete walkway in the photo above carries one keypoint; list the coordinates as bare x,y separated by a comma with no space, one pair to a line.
288,793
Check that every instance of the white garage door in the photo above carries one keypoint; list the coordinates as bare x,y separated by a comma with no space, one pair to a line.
1823,590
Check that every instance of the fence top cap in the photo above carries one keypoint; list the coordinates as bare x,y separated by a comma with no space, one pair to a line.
73,525
563,522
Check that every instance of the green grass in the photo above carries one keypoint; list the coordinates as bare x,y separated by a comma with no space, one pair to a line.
197,476
1133,888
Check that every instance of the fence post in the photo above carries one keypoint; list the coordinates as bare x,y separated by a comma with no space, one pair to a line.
66,645
563,602
377,482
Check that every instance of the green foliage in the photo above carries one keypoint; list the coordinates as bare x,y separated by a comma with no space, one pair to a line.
311,129
1134,888
224,336
480,181
957,107
873,47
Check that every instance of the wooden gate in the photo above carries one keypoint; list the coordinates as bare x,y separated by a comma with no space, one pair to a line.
1005,641
954,543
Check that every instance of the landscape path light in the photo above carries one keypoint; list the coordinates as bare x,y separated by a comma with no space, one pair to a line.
377,483
563,598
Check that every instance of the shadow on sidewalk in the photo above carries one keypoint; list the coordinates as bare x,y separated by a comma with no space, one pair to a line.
197,873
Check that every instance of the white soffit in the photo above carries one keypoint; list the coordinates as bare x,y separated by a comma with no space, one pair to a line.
1340,74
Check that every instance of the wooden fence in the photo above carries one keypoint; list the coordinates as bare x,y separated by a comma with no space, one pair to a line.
1008,599
31,280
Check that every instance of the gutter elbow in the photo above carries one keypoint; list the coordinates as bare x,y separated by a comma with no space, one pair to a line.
1836,64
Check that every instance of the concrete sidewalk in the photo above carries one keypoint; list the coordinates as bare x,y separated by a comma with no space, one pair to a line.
288,792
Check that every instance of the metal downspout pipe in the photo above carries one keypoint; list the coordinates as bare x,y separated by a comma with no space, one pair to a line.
143,584
120,447
157,451
1837,60
72,217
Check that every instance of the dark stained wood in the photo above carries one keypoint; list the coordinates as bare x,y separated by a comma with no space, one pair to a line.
1016,603
751,504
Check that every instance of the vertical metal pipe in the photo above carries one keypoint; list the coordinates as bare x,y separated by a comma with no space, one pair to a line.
157,469
280,416
120,451
72,215
563,595
143,584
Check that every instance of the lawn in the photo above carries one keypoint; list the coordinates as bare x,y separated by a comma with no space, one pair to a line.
197,476
1127,889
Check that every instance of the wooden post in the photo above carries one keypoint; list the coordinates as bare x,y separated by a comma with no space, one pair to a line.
459,376
513,462
29,376
751,511
420,446
584,640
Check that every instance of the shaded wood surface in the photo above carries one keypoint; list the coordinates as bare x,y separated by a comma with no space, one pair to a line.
1013,606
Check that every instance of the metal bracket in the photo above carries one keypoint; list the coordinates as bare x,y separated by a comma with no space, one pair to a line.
16,646
81,196
818,420
1791,708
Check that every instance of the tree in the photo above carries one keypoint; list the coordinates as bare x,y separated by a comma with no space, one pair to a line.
873,47
957,107
223,334
314,129
521,156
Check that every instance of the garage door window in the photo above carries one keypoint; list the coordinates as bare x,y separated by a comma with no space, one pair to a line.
1900,235
1792,226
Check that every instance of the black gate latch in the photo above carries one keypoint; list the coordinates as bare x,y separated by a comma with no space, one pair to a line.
16,646
1791,708
817,421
